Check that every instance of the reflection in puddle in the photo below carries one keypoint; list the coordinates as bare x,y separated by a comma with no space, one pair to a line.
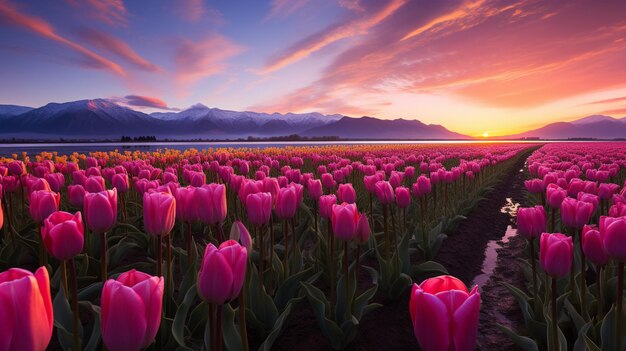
491,257
511,208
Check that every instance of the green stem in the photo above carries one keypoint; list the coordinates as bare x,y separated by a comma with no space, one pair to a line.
75,311
555,332
346,279
242,321
599,287
159,260
219,328
618,312
103,256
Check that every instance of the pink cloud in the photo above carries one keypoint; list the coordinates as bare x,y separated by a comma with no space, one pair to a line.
284,8
12,16
111,12
196,10
615,112
500,54
145,101
197,60
607,101
357,26
111,44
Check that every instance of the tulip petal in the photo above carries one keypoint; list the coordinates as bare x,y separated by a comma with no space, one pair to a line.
465,327
126,321
6,319
151,292
432,322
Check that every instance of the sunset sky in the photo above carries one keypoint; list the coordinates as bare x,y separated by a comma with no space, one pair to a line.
478,66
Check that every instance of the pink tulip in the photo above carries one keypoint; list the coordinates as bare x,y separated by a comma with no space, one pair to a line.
286,203
55,180
444,314
120,182
131,310
613,234
63,234
95,184
422,186
76,194
592,199
593,247
259,208
101,210
618,210
222,272
314,188
575,213
531,222
326,205
403,197
606,190
555,196
270,185
346,193
42,204
17,168
556,252
345,219
384,192
159,212
26,310
210,202
186,206
328,181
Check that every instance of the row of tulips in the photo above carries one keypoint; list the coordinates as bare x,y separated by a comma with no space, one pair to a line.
131,203
583,259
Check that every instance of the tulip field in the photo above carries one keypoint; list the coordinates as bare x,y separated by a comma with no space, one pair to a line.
306,248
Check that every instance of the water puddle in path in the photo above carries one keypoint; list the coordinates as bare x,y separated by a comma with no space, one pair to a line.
491,251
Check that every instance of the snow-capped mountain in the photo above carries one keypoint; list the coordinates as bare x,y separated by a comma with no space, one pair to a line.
13,110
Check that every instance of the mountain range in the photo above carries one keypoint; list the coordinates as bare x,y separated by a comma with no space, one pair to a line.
106,119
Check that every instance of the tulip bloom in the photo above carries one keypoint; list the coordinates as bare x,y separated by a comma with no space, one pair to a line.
575,213
556,252
613,234
618,210
95,184
42,204
422,186
346,193
26,310
534,185
286,203
222,272
403,197
314,188
259,208
363,230
444,314
345,219
593,247
555,196
384,192
159,213
186,207
76,194
120,182
101,210
326,205
531,222
210,202
131,310
240,233
63,234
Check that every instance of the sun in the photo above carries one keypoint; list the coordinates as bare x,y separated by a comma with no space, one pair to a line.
485,135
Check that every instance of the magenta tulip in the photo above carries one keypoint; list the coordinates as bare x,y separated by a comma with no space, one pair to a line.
534,185
186,206
556,252
363,230
314,188
63,234
531,222
444,314
403,197
42,204
222,272
240,233
286,203
326,205
593,247
555,196
613,234
345,218
210,202
346,193
618,210
25,310
159,212
120,182
131,310
76,195
575,213
95,184
101,210
422,186
259,208
384,192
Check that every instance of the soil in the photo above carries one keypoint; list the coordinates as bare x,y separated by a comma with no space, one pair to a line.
463,253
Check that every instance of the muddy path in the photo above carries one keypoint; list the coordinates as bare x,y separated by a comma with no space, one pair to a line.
463,254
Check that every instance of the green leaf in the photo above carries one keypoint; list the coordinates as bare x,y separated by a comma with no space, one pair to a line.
178,328
278,326
230,332
94,340
63,320
523,342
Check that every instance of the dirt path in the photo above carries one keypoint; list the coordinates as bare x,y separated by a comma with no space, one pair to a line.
463,253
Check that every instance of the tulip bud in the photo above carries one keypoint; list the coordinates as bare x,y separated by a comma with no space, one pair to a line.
259,208
42,204
556,252
326,205
159,212
444,314
240,233
346,193
384,192
286,203
314,187
531,222
555,195
120,182
210,200
363,230
101,210
613,234
403,197
131,310
76,194
63,234
575,213
345,219
186,206
222,272
593,247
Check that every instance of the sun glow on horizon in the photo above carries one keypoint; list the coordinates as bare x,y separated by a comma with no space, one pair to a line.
485,135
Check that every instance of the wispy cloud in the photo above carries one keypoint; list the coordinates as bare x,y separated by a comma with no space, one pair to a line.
618,112
11,15
607,101
111,12
197,60
197,10
145,101
284,8
357,26
116,46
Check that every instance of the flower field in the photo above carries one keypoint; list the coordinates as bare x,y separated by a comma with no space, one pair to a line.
228,249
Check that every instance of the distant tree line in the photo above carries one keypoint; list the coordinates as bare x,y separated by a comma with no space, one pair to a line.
127,139
293,137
